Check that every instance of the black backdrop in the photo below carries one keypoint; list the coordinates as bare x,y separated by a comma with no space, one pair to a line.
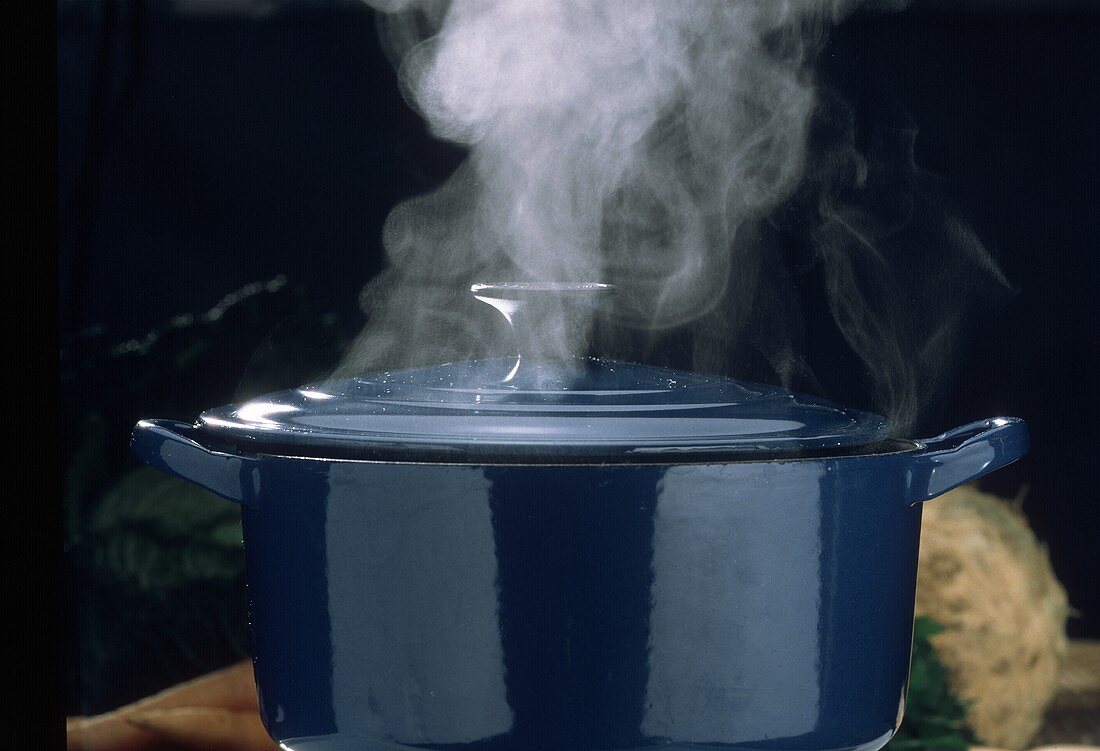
203,146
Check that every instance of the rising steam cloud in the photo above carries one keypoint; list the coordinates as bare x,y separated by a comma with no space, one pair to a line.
641,143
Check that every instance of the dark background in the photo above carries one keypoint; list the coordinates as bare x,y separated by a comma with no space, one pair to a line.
207,145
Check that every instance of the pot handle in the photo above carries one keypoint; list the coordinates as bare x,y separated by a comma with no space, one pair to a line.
964,454
171,447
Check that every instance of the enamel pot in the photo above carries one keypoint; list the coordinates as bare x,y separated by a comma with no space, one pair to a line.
574,555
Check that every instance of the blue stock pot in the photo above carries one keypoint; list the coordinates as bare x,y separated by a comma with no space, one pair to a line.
574,555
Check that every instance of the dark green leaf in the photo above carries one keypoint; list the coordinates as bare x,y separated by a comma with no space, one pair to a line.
934,717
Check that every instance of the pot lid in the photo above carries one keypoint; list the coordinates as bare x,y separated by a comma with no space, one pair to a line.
585,408
514,408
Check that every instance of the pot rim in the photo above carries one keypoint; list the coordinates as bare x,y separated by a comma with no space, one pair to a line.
553,456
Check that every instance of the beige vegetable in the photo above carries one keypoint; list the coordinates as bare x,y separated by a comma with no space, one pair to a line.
1056,747
206,729
231,688
987,579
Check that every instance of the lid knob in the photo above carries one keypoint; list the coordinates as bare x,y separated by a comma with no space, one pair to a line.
547,319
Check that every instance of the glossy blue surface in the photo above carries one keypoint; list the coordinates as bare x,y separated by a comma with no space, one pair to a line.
753,604
578,408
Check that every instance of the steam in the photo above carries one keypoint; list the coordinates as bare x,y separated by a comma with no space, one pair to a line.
642,143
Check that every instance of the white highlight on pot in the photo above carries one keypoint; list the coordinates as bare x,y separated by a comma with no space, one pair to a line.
712,537
416,646
260,412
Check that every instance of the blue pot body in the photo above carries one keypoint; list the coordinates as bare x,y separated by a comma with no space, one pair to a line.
748,604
